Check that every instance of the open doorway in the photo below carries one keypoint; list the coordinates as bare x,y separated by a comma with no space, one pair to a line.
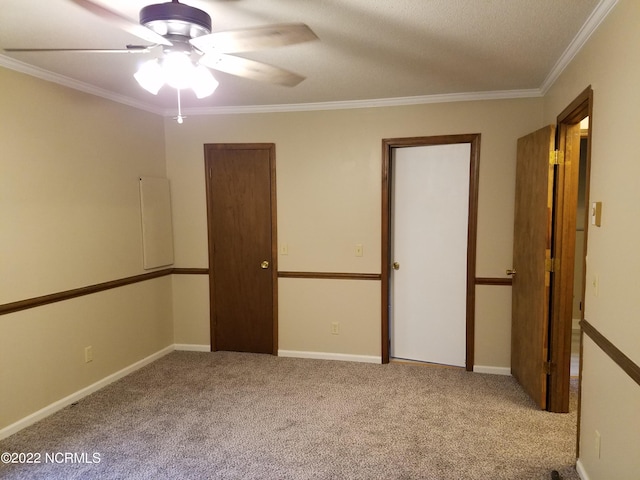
578,277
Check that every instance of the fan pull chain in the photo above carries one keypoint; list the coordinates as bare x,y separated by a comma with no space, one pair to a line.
180,118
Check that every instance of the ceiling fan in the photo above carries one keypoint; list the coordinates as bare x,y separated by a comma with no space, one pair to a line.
189,46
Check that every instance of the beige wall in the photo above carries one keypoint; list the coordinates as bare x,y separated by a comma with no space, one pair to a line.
328,188
70,217
191,310
608,63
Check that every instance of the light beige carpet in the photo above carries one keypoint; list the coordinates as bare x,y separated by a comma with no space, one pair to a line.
245,416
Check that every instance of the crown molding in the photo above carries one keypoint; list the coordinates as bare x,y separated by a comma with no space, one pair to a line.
46,75
294,107
593,22
43,74
353,104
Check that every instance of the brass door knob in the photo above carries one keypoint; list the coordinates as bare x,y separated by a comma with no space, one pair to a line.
396,266
264,265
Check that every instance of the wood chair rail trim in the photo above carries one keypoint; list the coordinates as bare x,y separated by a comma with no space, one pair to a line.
100,287
613,352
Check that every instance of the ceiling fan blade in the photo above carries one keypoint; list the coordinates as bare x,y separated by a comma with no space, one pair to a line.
244,67
129,49
123,22
257,38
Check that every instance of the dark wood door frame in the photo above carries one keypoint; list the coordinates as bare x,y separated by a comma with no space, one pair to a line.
387,149
274,245
563,248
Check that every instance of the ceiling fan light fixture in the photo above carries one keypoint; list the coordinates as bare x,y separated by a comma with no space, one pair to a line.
184,32
150,76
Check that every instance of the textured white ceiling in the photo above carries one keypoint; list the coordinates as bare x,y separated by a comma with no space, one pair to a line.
368,49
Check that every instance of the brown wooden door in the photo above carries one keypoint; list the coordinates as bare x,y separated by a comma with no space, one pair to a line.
531,254
242,260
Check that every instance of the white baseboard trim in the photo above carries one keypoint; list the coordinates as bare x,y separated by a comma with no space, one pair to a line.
74,397
345,357
492,370
189,347
581,471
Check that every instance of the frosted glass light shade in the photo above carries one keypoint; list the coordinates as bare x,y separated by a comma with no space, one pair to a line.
150,76
202,82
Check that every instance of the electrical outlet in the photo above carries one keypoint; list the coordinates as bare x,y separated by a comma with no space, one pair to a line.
284,249
88,354
595,283
359,250
335,328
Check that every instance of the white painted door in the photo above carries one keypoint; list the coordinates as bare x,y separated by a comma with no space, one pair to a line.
430,216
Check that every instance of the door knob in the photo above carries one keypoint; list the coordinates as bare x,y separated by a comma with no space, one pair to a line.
264,265
511,271
396,266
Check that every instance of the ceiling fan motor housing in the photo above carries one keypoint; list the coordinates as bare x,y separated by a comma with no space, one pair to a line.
176,19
